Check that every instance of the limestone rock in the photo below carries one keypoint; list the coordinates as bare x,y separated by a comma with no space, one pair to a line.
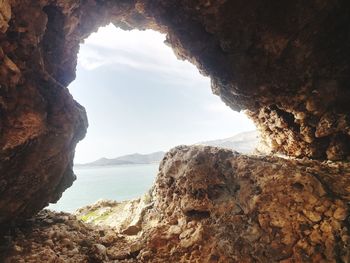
234,208
286,63
5,15
124,217
210,205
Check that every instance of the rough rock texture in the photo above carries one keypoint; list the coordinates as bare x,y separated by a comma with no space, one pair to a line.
208,205
225,207
61,238
286,62
125,217
40,123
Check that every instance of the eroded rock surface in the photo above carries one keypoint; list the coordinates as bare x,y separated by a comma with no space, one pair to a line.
61,237
213,205
234,208
287,63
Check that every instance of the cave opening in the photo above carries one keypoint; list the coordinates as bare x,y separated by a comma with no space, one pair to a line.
141,101
286,63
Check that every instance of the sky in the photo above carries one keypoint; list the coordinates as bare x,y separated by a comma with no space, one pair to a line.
140,98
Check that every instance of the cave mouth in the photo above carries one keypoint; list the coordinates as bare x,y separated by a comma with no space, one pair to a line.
156,102
287,64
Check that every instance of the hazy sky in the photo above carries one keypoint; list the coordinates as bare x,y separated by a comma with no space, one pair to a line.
140,98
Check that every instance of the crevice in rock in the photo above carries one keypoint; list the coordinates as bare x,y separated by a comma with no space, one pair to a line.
53,42
197,215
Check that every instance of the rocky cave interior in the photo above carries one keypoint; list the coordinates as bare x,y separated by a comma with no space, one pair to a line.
285,62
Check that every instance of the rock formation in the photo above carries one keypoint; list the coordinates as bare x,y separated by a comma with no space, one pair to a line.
285,62
208,205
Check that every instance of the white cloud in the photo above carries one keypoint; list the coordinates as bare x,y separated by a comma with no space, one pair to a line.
187,114
139,50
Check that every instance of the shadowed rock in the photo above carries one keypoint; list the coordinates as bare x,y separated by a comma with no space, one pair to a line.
286,63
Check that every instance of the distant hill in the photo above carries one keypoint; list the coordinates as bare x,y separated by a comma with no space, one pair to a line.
244,142
135,158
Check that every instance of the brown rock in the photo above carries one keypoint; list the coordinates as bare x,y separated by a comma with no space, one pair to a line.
256,208
287,63
288,67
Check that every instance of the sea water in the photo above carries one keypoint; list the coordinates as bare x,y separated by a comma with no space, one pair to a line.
121,182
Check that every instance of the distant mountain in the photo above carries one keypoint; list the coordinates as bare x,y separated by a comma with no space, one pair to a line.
244,142
135,158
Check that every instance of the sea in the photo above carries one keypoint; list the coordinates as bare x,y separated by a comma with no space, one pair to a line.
120,182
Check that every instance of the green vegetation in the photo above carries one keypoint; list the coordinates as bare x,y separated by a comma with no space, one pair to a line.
147,197
94,216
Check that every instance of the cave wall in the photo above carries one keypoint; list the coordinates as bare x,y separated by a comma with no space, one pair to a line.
285,62
40,123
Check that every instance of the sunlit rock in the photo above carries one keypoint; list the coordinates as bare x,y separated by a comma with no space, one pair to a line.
287,63
207,205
